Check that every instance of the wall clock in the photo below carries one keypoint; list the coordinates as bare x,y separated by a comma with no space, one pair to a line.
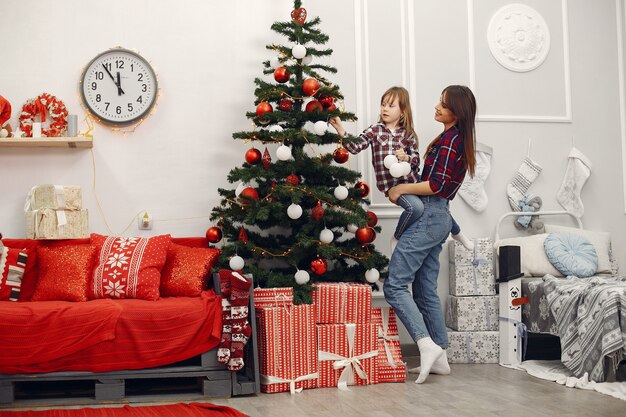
119,87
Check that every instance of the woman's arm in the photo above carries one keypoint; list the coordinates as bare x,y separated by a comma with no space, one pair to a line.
417,188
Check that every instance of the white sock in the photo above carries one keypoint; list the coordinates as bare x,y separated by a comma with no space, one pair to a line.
472,190
519,185
440,367
394,243
576,174
429,353
468,243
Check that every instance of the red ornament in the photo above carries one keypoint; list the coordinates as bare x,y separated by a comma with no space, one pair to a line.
262,108
253,156
299,15
285,104
373,218
363,188
331,107
214,234
314,106
250,193
341,155
327,101
310,86
318,211
243,236
267,159
365,235
293,179
281,75
319,266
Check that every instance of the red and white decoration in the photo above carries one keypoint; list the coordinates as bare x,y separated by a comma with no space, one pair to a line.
343,302
391,368
12,265
273,297
42,106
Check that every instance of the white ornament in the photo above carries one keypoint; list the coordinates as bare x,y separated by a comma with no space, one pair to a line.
396,170
236,263
307,60
302,277
341,192
294,211
4,133
17,133
406,168
352,228
320,127
240,188
390,160
298,51
372,275
326,235
275,62
275,128
283,152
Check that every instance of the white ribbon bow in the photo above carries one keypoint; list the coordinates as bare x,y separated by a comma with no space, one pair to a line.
269,379
385,337
59,192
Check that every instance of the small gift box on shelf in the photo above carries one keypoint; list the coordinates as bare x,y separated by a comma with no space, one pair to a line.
58,197
273,297
343,302
347,354
473,347
471,271
51,224
287,348
391,368
472,313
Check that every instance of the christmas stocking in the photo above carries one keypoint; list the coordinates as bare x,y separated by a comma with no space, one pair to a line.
241,331
576,174
473,188
524,177
223,350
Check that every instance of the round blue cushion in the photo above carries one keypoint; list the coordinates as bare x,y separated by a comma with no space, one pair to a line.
571,254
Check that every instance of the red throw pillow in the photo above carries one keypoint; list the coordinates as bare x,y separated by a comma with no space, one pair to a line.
186,270
128,267
64,272
12,265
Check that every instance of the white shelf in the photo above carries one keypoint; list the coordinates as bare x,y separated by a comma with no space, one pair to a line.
60,142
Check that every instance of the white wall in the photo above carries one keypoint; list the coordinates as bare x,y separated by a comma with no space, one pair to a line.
207,55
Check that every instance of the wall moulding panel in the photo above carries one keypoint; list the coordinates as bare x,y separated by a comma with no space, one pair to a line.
620,15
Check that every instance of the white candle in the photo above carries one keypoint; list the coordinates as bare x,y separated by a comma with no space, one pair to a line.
72,125
36,129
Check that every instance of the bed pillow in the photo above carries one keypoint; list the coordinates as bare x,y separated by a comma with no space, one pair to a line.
12,266
571,254
128,267
535,263
186,270
64,273
601,241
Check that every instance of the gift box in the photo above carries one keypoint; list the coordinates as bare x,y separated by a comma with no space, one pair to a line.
273,297
287,348
391,368
472,313
473,347
343,302
59,197
472,271
347,354
48,223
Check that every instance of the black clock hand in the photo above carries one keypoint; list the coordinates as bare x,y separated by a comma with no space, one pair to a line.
119,85
109,72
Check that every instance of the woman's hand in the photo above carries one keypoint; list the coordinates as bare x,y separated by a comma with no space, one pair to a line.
394,193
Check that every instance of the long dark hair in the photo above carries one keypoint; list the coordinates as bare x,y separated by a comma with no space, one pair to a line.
461,101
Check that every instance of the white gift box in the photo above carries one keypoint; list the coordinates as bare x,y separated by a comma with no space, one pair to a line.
57,224
472,313
473,347
60,197
472,271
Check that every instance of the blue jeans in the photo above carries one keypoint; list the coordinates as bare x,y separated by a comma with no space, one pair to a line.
415,262
413,210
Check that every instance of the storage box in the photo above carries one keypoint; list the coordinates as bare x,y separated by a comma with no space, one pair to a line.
472,271
472,313
287,348
391,368
60,197
347,354
343,302
47,223
273,297
473,347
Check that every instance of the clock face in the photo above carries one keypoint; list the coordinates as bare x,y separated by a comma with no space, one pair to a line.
119,87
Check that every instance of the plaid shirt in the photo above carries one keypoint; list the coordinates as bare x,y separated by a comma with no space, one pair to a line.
444,165
384,142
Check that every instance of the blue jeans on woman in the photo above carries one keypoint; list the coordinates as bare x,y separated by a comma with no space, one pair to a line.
413,210
415,262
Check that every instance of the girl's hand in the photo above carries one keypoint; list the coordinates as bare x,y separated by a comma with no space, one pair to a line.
336,123
401,155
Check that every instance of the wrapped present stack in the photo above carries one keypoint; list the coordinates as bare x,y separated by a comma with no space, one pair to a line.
56,212
472,306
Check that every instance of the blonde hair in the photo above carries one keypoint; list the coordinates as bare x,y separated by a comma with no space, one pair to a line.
406,119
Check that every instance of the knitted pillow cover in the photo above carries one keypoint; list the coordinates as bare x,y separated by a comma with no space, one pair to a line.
128,267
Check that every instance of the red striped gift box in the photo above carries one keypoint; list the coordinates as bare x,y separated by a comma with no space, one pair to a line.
273,297
343,302
347,355
391,368
287,348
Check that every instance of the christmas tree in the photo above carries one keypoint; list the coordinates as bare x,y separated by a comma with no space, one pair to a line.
300,217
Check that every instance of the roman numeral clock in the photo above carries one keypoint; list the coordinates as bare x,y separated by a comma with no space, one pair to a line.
119,87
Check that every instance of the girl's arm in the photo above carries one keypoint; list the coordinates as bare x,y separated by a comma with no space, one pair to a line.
417,188
362,142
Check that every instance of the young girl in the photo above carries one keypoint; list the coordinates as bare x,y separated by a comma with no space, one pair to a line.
394,134
416,259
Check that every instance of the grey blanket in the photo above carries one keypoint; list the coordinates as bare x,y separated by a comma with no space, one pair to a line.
591,317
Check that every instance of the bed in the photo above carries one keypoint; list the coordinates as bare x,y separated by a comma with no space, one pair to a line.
587,314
